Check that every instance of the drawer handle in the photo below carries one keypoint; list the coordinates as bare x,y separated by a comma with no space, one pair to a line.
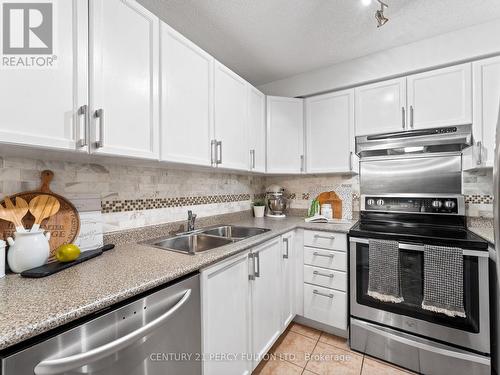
324,236
324,274
323,294
324,255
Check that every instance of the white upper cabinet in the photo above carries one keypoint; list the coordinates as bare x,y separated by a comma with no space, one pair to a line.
186,100
230,115
257,129
285,135
441,97
330,132
486,109
381,107
40,106
124,50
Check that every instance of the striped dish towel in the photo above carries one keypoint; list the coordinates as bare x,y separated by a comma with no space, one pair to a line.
443,280
384,271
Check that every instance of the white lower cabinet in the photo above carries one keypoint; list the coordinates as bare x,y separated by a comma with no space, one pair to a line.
325,278
245,305
225,306
287,279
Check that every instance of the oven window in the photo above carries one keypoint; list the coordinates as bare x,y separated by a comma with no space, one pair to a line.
412,286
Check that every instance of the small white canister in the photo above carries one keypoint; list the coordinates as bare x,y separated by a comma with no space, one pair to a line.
326,210
2,258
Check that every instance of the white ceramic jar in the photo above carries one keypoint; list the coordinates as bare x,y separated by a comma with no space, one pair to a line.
28,250
326,210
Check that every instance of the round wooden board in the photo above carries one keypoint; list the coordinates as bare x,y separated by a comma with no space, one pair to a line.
64,226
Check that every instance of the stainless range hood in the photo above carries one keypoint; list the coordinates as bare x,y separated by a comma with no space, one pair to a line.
445,139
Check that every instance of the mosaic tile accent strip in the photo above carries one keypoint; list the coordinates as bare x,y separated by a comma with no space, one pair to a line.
479,199
154,203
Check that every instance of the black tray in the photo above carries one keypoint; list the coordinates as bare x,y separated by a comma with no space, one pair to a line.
54,267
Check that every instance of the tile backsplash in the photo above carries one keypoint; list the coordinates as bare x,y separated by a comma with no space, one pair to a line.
133,196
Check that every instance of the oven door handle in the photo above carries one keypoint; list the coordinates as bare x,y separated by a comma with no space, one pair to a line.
421,345
405,246
61,365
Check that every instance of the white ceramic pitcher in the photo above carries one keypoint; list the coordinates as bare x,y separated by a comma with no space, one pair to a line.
28,250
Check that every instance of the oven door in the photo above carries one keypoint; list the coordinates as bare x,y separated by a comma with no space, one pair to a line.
470,332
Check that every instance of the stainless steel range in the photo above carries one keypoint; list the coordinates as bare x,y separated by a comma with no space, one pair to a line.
411,194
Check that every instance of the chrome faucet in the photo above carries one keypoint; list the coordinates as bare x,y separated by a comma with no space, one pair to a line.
191,219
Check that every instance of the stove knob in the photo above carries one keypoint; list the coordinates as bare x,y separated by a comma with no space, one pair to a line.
449,204
380,202
437,204
370,202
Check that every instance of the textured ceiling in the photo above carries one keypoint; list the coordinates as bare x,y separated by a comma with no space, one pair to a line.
266,40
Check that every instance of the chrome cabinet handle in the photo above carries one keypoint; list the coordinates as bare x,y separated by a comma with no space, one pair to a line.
83,111
251,275
61,365
350,160
213,146
330,237
403,117
323,294
285,240
302,163
324,255
323,274
479,145
257,272
99,114
411,116
218,152
252,159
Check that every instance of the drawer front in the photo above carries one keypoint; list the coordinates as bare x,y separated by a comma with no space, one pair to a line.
335,260
325,240
325,306
326,278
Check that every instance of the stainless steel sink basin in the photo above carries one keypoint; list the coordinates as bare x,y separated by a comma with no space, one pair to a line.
190,243
234,232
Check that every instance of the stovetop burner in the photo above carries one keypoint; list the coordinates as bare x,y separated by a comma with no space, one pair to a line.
419,220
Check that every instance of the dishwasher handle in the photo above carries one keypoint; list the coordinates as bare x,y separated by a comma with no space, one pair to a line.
61,365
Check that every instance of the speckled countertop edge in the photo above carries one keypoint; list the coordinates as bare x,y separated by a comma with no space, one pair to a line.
483,227
30,307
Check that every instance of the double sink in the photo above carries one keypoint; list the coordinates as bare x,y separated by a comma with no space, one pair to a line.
206,238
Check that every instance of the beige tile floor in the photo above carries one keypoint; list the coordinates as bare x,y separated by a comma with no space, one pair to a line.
307,351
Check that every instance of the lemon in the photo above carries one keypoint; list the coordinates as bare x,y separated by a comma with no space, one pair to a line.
67,253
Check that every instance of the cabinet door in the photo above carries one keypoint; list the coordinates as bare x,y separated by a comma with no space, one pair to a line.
230,119
441,97
285,135
186,100
225,308
486,109
40,105
287,279
257,129
266,317
330,132
380,107
124,47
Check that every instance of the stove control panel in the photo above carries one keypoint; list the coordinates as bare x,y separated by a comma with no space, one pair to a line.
427,204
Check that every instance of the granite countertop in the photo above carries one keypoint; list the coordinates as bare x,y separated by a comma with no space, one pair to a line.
29,307
483,227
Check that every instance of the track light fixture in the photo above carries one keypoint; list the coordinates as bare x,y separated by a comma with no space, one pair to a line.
379,14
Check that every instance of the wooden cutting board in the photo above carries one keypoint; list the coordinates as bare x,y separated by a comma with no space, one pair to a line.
332,198
64,226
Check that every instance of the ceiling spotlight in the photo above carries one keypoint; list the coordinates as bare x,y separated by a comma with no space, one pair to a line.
366,2
379,14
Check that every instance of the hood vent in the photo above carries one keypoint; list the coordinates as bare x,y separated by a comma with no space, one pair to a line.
421,141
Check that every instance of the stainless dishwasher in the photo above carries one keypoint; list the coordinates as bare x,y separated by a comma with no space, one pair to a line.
159,334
